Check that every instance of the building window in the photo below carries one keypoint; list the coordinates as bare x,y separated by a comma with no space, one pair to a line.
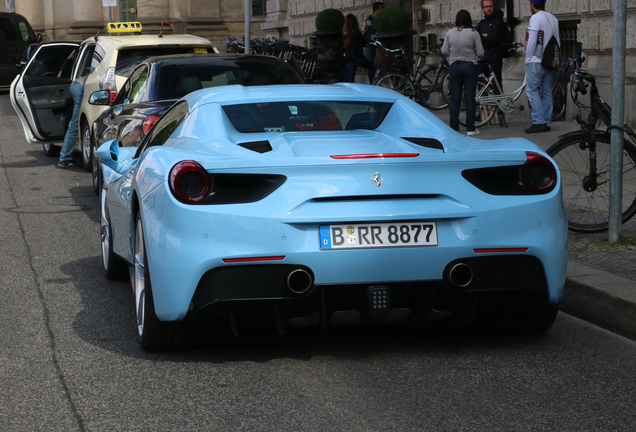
568,36
259,8
128,10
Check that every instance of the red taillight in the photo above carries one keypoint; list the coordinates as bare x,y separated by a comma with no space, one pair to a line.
538,173
149,122
376,156
189,182
253,259
113,96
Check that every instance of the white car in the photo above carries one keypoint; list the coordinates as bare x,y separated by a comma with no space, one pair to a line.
40,93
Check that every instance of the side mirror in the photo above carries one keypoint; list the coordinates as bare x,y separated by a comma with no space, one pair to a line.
108,154
101,97
39,37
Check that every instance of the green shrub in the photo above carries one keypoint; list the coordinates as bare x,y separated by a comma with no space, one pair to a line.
330,20
391,19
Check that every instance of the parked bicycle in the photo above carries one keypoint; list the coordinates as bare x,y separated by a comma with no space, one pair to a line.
583,158
434,82
396,71
560,82
302,59
489,97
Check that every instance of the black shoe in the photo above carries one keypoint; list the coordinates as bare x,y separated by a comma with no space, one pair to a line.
66,164
548,128
542,127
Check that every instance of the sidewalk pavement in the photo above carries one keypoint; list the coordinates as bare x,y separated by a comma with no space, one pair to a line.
601,283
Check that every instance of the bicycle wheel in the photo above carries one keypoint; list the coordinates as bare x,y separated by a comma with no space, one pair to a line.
398,82
433,94
483,112
587,205
379,74
559,99
446,87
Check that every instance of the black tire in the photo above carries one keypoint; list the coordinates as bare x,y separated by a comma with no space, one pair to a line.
114,267
446,88
153,334
483,112
51,150
86,147
400,83
433,95
96,171
588,211
521,317
534,321
559,99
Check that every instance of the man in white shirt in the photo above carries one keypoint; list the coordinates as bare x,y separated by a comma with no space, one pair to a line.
542,27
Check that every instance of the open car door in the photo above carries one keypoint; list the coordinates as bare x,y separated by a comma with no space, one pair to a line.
40,94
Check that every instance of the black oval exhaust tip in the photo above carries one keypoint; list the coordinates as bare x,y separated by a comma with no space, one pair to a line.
460,275
299,281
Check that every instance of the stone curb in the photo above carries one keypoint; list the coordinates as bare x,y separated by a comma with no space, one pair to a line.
600,297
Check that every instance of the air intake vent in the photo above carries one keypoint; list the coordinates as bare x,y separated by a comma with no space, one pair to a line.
426,142
257,146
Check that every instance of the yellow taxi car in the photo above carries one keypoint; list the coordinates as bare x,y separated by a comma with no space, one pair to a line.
40,93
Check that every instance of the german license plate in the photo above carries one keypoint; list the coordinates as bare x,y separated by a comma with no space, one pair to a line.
355,236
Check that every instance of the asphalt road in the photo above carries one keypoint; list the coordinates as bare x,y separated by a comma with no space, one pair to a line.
69,360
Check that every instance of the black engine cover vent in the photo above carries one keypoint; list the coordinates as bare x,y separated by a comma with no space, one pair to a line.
426,142
257,146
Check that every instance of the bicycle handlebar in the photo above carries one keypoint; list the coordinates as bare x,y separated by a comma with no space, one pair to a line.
583,75
580,75
378,44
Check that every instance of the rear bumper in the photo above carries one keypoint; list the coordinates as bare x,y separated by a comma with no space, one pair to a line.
256,291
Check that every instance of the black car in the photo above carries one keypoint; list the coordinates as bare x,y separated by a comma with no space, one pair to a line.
157,83
15,34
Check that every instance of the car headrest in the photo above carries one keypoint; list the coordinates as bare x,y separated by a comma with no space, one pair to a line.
361,121
188,84
256,80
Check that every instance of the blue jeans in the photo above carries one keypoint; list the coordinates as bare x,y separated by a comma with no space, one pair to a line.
539,92
369,54
70,139
351,72
463,80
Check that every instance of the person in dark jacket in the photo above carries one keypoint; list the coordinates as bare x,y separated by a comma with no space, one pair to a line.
492,31
464,46
354,44
367,32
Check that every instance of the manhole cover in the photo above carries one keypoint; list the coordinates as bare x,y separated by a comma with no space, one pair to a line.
53,208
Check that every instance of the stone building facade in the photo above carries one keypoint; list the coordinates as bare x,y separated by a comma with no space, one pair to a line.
295,19
79,19
587,21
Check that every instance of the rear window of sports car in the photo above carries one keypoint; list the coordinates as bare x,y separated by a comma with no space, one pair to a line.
300,116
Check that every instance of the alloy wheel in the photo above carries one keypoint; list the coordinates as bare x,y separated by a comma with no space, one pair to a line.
140,284
104,232
86,147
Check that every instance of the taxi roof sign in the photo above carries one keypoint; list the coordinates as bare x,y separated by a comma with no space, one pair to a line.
121,27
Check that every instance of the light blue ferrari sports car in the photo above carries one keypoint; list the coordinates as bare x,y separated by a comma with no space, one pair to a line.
306,205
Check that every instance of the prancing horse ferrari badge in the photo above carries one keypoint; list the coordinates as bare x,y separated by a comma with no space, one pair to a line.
377,181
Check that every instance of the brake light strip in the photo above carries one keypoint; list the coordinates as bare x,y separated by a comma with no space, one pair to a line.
253,259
